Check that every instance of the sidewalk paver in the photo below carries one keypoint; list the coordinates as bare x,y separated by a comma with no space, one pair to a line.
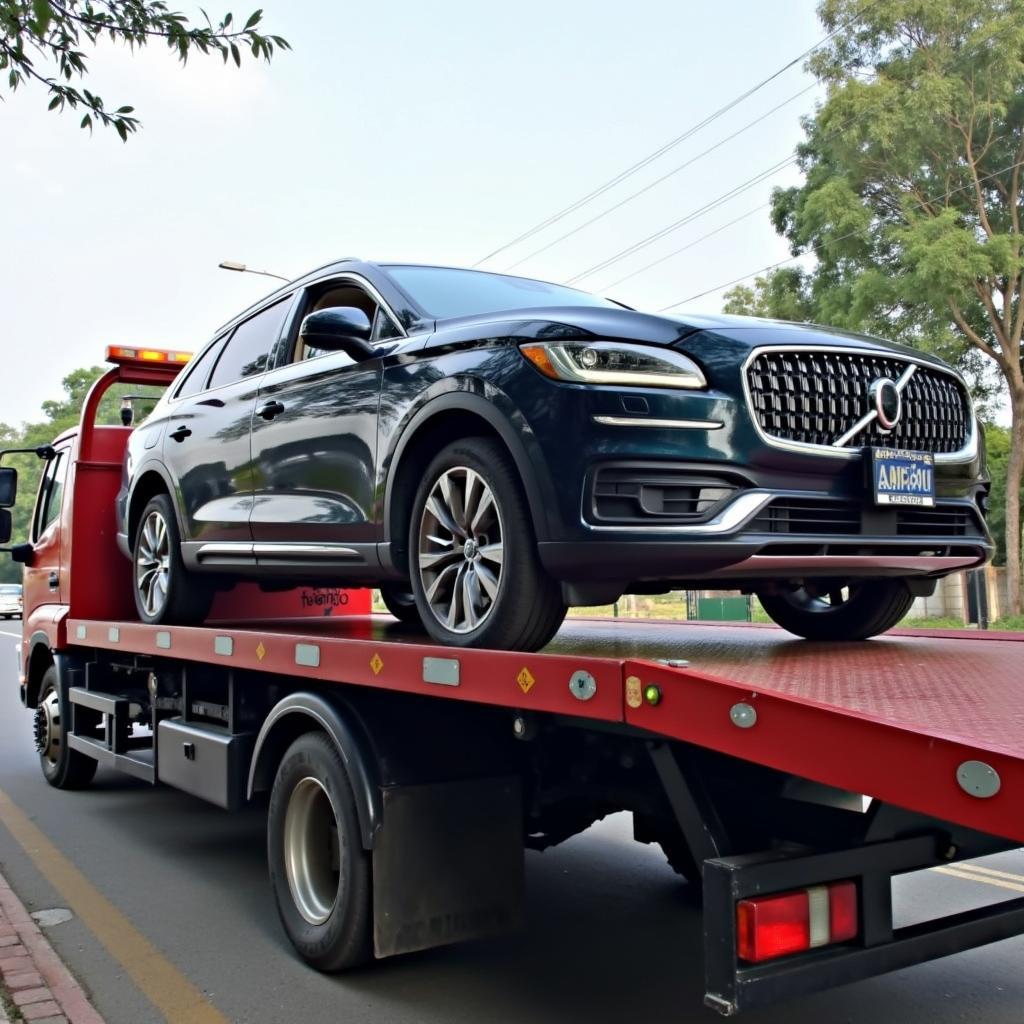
32,976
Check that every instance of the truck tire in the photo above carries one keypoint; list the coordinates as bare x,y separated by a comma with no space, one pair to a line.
63,768
319,871
853,612
164,591
401,602
475,571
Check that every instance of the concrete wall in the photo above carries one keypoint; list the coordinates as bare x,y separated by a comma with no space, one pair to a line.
950,598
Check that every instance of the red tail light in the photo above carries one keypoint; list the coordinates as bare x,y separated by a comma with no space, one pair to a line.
794,922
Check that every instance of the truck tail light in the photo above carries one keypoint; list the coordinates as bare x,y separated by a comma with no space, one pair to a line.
794,922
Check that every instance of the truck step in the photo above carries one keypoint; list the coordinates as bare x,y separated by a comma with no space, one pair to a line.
105,703
139,763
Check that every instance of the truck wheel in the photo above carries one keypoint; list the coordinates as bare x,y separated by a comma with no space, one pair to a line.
319,870
401,602
475,571
164,591
855,611
63,767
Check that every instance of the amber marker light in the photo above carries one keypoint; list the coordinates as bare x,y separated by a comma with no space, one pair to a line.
538,355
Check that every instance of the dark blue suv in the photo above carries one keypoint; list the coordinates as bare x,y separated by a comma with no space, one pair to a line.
489,450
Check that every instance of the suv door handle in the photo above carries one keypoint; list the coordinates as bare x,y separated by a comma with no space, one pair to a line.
181,433
54,579
270,410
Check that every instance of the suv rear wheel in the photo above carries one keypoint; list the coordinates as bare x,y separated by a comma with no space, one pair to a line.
838,611
164,592
475,572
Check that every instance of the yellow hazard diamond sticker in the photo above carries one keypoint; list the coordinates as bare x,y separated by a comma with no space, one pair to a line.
525,680
261,651
634,691
376,663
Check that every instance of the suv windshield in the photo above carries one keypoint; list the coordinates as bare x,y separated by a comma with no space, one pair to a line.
443,293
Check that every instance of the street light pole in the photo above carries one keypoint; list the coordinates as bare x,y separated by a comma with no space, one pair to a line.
241,268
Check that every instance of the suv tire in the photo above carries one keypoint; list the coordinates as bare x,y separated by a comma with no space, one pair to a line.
164,592
854,612
401,602
473,557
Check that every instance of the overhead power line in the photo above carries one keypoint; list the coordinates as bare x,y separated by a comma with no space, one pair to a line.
661,150
842,238
664,177
683,248
688,218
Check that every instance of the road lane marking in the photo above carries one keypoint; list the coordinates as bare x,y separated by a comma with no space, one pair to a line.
981,870
4,632
156,977
967,876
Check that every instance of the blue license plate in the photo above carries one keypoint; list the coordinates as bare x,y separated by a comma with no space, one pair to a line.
902,478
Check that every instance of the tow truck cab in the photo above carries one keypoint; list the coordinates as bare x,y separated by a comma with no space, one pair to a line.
404,781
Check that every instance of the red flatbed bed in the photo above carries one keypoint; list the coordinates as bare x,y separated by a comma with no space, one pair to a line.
893,719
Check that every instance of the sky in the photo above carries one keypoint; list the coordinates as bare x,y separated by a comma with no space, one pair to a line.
433,132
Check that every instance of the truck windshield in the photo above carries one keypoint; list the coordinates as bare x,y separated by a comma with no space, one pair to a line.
442,292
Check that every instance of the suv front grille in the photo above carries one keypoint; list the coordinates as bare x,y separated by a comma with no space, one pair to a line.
815,396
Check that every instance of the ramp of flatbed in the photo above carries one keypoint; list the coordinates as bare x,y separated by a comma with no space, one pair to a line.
896,718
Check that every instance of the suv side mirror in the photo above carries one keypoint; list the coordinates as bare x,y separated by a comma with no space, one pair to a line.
8,487
6,525
339,329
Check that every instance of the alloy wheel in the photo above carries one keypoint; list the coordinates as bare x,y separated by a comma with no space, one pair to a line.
152,563
461,550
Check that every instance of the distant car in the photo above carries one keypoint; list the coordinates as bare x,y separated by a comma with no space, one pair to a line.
10,600
489,450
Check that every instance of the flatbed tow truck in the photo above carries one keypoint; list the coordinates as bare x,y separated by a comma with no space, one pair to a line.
788,781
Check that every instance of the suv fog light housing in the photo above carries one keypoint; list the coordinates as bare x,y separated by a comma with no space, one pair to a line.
614,362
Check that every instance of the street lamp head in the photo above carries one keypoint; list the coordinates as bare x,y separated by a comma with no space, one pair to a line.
243,269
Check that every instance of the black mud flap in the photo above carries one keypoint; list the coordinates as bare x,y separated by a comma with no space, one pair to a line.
448,864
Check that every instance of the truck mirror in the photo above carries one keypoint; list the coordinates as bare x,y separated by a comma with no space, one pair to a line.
6,525
8,488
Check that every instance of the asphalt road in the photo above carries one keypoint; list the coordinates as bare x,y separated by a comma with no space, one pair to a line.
612,936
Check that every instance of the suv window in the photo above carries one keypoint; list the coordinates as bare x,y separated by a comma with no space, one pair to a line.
248,349
198,371
51,493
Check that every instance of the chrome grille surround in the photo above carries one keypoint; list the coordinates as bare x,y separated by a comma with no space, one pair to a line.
950,438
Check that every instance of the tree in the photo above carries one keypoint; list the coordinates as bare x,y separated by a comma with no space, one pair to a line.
60,415
911,203
57,32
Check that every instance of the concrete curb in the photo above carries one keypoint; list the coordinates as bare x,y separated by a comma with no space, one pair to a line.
39,983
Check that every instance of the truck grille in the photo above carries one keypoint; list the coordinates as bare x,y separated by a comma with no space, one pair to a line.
814,396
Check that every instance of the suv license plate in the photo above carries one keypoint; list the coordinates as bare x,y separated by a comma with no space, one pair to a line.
902,478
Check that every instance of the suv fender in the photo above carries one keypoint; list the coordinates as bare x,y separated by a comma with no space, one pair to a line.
497,410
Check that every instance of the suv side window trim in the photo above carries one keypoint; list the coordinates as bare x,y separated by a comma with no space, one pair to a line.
197,366
286,300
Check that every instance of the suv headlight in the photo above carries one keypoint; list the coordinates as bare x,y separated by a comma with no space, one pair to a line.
614,362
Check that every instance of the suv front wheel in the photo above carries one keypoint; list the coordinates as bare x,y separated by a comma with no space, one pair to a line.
839,611
475,572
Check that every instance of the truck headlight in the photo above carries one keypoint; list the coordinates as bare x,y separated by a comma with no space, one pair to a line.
614,362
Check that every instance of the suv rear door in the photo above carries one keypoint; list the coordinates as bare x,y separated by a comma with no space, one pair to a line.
206,442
